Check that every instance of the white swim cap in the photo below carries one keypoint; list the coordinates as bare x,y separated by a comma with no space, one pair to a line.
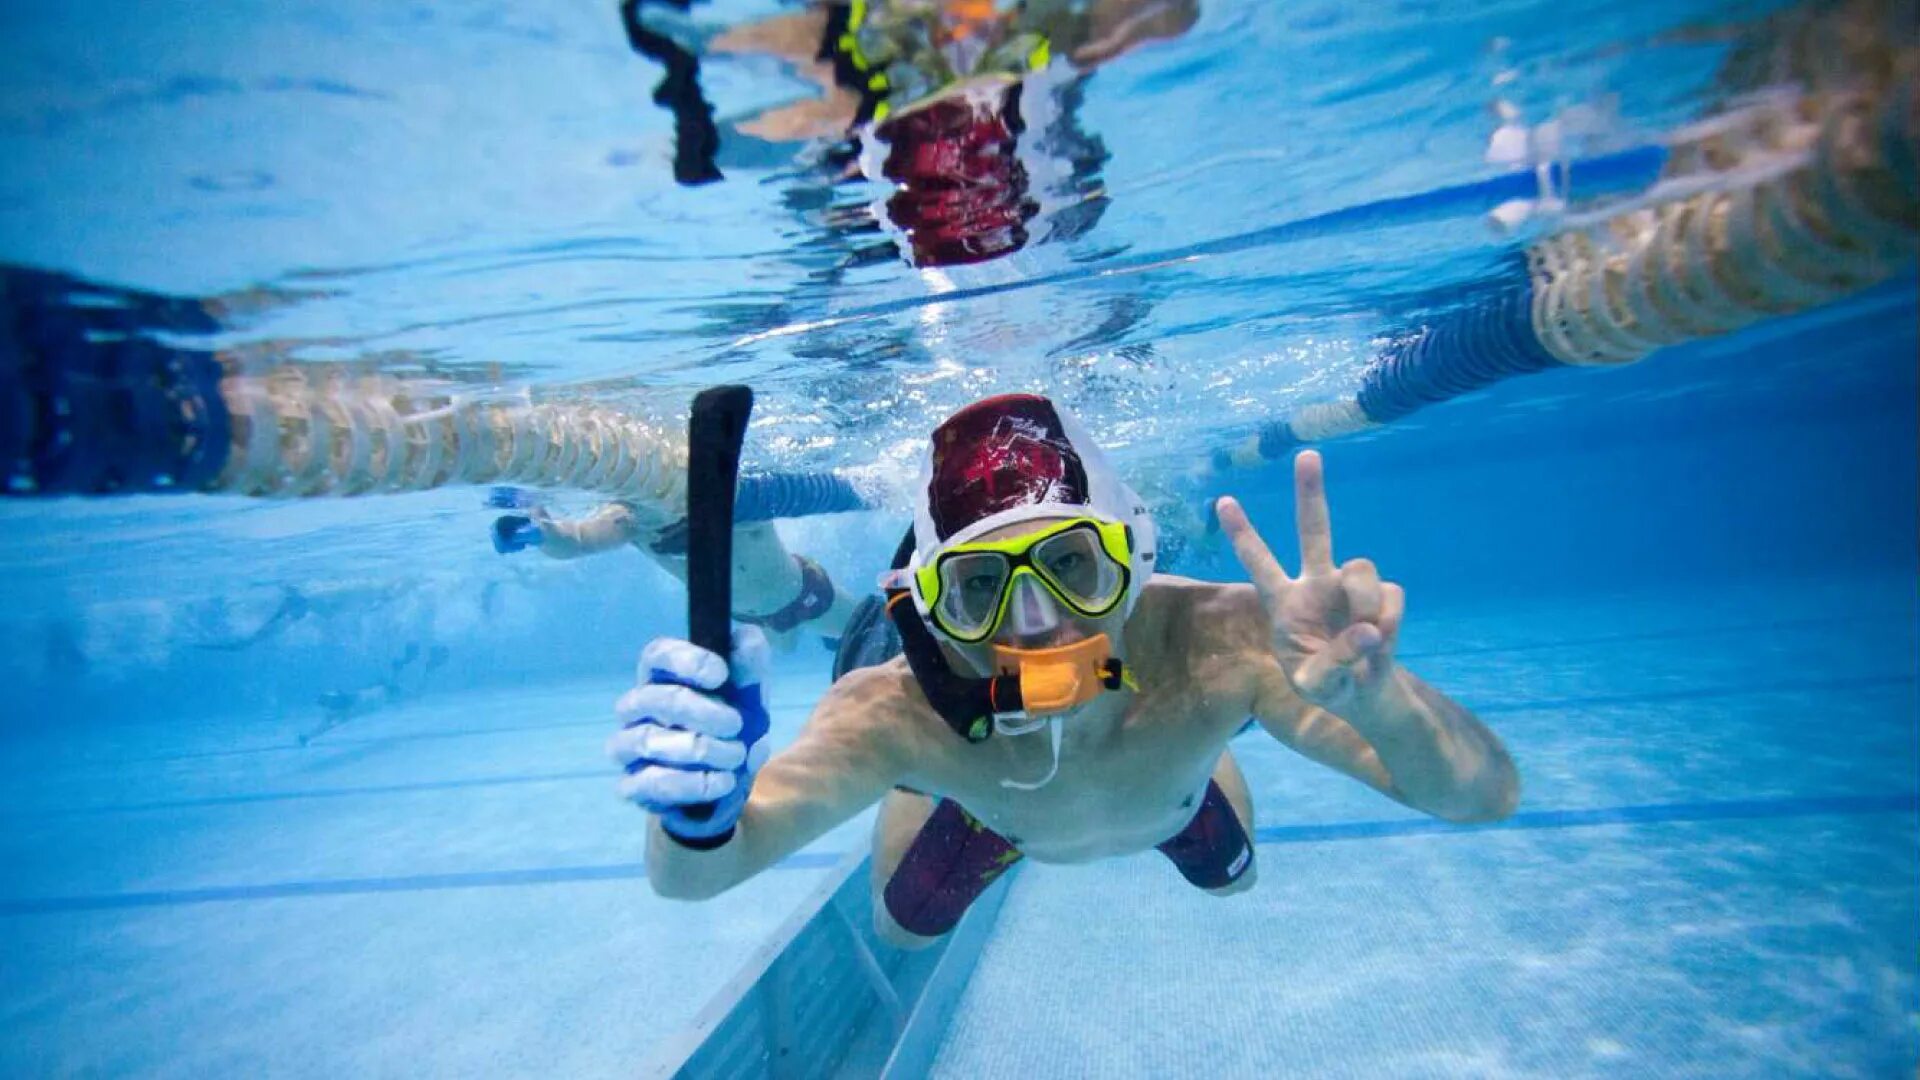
1014,458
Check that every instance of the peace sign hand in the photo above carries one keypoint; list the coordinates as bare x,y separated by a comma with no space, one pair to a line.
1334,628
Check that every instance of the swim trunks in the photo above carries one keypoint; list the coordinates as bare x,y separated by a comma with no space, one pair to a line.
1212,851
950,863
816,596
954,858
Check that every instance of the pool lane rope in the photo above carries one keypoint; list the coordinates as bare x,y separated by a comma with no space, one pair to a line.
1792,201
1789,204
96,412
299,432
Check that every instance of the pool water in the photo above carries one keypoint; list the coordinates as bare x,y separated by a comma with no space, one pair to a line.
1682,591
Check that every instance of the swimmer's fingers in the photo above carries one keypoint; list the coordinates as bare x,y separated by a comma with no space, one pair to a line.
660,789
1266,572
672,660
1360,580
1393,605
1328,675
680,707
653,745
1310,514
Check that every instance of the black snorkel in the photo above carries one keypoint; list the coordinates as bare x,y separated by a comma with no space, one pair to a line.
716,426
696,140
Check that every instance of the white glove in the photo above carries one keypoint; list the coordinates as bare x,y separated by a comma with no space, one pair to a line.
689,740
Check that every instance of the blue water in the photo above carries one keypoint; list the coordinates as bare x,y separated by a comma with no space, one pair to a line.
1683,592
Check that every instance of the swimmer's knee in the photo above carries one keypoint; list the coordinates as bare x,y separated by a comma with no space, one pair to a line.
1237,885
895,935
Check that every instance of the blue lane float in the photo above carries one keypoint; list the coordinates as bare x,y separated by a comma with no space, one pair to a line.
1794,202
771,495
92,405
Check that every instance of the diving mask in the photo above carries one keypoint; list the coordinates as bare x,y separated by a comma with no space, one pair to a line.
1083,563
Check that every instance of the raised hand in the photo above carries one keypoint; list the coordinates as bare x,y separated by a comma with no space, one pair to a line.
1334,627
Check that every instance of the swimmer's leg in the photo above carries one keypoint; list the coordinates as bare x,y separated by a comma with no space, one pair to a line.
773,588
292,607
931,861
902,813
1215,850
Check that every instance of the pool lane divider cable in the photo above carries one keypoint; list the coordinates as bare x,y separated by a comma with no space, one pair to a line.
94,402
91,402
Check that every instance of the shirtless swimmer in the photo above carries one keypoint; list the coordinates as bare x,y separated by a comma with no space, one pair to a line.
1106,729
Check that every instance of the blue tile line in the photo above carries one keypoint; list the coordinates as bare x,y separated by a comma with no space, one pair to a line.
477,879
324,744
1791,686
1510,706
1905,617
607,774
1865,682
1281,834
1656,813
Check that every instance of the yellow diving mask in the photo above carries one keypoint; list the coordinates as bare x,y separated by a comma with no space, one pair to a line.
1084,563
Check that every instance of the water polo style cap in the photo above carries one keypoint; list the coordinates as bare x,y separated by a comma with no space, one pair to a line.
996,463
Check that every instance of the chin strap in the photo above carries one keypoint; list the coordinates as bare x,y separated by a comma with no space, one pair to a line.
1054,723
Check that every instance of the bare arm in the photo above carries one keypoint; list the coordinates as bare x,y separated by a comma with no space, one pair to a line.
1403,738
794,39
611,526
1323,645
1115,26
843,761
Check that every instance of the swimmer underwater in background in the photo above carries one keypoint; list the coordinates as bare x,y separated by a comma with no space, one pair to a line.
42,316
964,107
774,589
1102,694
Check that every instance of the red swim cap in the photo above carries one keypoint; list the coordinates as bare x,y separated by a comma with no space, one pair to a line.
1000,453
962,191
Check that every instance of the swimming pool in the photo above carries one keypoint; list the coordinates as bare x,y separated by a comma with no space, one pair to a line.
1682,591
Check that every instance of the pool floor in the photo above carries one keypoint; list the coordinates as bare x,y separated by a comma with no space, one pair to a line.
1714,873
446,887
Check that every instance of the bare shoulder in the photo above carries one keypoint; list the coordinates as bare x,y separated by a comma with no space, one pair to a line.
879,708
881,687
1204,616
1201,637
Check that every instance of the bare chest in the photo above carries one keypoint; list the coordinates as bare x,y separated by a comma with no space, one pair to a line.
1125,782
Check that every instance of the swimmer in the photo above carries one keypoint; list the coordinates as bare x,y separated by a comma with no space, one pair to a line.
773,589
873,59
292,608
339,706
1057,698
